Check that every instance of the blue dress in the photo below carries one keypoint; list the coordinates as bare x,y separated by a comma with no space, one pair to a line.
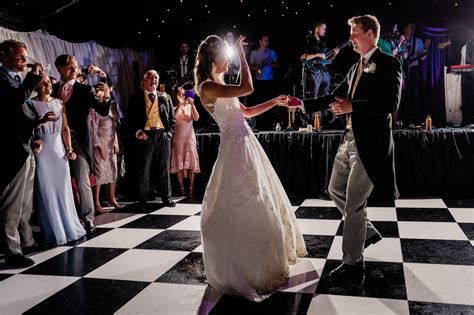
54,202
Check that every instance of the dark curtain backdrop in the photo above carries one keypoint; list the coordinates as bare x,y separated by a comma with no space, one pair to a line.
432,71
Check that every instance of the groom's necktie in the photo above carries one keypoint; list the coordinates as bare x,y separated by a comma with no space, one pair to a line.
360,70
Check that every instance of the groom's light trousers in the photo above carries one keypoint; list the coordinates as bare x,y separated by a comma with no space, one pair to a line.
350,186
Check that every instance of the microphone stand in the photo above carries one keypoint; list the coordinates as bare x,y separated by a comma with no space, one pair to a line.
303,69
303,83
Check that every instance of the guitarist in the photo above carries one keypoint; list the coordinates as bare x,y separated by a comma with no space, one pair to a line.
317,49
413,53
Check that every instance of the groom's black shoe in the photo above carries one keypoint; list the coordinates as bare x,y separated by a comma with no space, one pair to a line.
345,271
372,240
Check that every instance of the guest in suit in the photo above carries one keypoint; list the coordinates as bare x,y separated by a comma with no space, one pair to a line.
79,99
18,166
151,121
364,163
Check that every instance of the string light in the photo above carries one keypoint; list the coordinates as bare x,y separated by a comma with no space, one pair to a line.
146,20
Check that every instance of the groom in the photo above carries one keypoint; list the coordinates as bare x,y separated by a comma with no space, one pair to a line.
364,161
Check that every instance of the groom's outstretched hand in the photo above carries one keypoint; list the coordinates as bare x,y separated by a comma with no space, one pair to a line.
341,106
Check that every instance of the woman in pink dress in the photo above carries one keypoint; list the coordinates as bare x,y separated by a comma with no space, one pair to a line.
184,156
105,150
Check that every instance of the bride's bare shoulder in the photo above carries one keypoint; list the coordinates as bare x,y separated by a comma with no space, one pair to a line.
208,89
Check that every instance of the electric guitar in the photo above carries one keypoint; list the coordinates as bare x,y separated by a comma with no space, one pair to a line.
442,45
315,63
265,63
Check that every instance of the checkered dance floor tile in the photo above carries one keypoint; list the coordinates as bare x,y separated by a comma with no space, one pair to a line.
152,263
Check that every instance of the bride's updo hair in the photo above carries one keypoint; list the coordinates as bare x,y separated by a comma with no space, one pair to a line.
207,52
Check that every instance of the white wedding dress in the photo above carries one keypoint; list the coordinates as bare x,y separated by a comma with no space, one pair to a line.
249,229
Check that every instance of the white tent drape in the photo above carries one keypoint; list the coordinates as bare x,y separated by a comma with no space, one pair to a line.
118,63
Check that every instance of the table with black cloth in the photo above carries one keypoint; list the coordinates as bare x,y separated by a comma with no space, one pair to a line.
437,163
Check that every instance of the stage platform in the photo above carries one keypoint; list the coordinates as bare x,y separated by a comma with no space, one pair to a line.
437,163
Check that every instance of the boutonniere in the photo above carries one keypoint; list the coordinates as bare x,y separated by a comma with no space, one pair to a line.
163,97
370,67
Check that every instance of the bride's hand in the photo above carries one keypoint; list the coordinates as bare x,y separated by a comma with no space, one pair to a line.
282,100
240,44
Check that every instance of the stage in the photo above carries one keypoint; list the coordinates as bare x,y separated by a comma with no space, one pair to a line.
437,163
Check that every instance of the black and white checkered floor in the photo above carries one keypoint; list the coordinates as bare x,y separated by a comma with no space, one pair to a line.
152,263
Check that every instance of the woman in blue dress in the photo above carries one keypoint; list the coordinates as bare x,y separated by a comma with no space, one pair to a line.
54,203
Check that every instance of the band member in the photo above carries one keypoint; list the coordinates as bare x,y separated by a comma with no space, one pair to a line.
233,74
316,51
262,62
185,63
413,54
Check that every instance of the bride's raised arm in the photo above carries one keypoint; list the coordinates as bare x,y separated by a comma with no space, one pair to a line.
211,90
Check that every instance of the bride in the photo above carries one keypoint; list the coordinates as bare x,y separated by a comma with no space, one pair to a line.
249,230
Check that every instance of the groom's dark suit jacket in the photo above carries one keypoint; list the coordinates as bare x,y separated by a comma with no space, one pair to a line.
17,127
376,97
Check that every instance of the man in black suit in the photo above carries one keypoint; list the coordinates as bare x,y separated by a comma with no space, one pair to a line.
151,121
364,163
185,64
18,167
79,99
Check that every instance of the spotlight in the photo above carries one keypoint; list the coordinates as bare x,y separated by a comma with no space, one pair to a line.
229,51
